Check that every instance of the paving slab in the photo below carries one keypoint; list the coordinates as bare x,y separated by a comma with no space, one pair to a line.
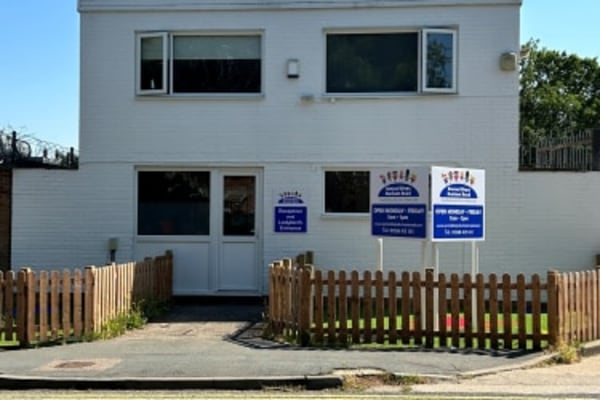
212,343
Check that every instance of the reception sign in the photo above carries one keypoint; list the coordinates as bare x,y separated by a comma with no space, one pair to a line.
290,213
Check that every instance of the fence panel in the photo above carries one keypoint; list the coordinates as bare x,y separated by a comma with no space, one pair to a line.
66,305
428,310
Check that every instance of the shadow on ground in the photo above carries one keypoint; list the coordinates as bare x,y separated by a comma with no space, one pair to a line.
201,309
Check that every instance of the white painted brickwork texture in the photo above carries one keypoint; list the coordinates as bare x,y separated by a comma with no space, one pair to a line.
534,221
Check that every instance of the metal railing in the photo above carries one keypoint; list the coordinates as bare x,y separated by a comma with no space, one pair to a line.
576,152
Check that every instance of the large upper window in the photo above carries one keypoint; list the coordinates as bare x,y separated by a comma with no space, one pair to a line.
390,62
173,203
199,63
346,192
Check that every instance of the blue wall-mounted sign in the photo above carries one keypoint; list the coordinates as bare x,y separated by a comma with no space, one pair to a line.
290,213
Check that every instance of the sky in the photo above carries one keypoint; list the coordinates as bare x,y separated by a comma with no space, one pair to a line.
39,57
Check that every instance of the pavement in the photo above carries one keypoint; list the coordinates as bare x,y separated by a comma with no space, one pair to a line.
200,345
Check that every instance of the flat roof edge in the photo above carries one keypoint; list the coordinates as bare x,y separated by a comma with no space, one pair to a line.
224,5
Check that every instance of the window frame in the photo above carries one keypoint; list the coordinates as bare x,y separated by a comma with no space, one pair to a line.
165,59
424,51
421,61
168,48
332,214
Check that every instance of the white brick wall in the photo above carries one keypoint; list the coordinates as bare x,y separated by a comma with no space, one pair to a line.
534,221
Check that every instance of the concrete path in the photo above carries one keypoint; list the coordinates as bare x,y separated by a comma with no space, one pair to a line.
204,346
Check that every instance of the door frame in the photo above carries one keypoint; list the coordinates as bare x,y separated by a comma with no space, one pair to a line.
218,175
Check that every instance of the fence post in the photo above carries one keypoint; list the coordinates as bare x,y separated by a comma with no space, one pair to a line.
596,149
304,305
309,257
22,308
553,315
169,272
89,305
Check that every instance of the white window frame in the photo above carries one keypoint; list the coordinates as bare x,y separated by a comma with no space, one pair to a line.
424,87
422,61
171,58
165,58
167,50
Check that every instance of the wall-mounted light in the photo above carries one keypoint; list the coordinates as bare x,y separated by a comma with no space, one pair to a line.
113,246
509,61
293,68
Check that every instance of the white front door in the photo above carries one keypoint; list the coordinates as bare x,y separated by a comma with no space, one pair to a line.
237,268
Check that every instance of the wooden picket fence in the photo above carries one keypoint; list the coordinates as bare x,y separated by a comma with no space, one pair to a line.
578,306
40,307
497,312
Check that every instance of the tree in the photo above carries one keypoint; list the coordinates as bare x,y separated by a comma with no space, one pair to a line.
559,93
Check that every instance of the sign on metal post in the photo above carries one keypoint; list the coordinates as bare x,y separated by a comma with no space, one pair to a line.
399,202
458,204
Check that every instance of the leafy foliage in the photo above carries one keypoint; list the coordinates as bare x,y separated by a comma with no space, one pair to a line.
560,93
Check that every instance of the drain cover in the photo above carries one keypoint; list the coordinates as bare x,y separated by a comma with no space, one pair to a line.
75,364
96,364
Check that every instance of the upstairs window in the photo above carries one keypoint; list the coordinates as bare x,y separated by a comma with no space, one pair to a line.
370,63
391,62
439,62
199,63
152,55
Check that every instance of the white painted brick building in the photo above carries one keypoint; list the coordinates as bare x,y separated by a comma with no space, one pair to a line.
193,123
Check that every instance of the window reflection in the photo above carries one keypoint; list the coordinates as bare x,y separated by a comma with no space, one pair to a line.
238,205
173,203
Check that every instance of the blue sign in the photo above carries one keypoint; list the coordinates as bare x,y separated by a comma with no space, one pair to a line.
399,220
399,198
290,219
457,222
458,204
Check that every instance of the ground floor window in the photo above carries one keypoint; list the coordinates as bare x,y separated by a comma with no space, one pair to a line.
347,192
173,203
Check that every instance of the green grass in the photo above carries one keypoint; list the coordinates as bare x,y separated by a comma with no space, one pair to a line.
436,340
500,325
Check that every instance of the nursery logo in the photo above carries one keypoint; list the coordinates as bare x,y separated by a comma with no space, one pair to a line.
294,197
459,185
398,183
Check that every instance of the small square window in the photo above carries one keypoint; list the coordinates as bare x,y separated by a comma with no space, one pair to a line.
347,192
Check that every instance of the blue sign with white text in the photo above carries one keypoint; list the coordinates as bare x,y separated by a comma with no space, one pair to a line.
290,219
457,222
399,220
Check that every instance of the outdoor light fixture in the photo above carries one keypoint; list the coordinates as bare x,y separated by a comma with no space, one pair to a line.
113,246
509,61
293,68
